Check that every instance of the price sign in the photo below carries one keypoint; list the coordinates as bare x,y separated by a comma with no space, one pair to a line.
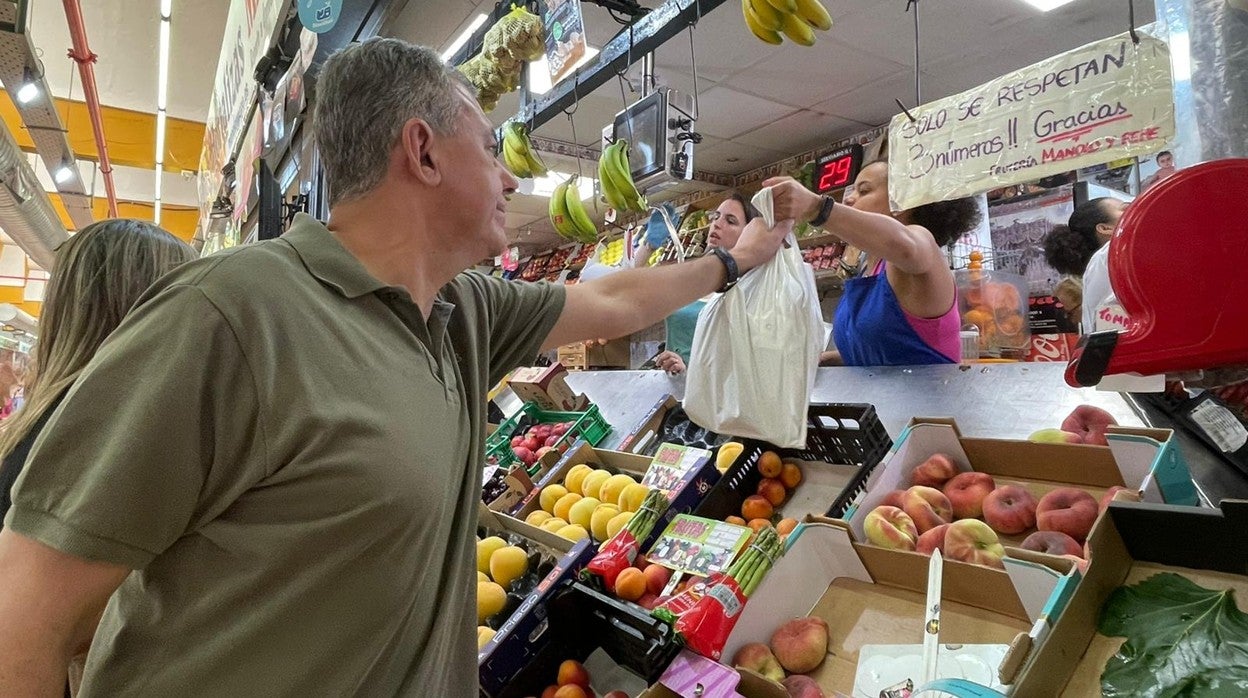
698,546
837,169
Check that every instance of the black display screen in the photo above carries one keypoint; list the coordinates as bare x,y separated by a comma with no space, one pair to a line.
642,126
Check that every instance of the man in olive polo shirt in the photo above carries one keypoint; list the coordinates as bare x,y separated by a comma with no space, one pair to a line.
275,461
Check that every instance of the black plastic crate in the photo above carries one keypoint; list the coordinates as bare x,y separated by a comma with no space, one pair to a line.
1183,410
837,433
583,620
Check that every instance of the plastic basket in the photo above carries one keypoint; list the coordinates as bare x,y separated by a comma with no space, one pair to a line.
841,434
582,620
588,425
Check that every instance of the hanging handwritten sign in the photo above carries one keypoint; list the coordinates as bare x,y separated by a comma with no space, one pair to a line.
1107,100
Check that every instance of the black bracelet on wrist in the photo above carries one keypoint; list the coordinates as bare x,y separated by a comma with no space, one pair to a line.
730,267
825,210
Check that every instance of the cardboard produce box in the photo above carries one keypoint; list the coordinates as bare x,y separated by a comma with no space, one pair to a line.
685,474
548,388
874,597
1145,460
523,635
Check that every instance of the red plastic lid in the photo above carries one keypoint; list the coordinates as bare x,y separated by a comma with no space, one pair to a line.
1178,264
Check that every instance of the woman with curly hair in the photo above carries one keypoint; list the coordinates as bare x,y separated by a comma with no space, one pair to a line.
904,311
1070,250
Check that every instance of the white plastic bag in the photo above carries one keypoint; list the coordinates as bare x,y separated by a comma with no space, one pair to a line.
755,351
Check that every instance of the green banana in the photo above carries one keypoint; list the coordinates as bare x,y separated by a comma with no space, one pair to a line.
784,6
759,15
559,211
815,14
632,199
515,160
518,153
585,230
608,180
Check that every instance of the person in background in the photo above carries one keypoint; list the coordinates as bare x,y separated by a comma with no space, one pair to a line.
1165,168
1069,248
269,476
1096,289
100,274
904,312
727,222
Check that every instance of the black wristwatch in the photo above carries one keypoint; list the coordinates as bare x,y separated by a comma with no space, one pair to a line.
730,266
825,210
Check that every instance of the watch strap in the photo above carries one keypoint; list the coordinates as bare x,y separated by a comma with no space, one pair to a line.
730,267
825,210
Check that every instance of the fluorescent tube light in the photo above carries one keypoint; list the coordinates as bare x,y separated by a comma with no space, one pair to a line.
464,36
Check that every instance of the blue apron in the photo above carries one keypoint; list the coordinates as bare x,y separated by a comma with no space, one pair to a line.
871,329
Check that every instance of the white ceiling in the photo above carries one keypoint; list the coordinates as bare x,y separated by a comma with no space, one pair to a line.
760,103
124,33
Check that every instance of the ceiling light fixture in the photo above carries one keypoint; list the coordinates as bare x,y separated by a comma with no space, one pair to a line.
162,96
1046,5
464,36
539,71
545,185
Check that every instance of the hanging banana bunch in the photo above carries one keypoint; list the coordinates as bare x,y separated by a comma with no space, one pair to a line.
616,179
772,20
568,214
518,153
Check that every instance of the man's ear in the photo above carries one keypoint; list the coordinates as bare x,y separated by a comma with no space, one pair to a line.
423,158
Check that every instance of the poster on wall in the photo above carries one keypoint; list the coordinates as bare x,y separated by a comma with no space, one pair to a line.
1018,231
1107,100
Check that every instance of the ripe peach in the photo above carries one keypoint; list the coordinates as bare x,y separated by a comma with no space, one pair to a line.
735,520
927,507
758,658
786,526
550,692
770,465
890,527
966,493
773,490
1053,543
802,686
932,539
934,472
1090,423
757,525
1069,510
657,577
649,601
801,644
1009,510
791,475
756,507
572,672
971,540
572,690
893,499
630,584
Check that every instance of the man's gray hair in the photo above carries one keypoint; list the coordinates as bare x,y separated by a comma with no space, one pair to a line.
364,95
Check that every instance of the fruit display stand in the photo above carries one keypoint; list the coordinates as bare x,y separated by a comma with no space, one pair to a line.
519,626
844,442
666,422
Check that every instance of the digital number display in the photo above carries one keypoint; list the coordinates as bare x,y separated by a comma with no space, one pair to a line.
838,169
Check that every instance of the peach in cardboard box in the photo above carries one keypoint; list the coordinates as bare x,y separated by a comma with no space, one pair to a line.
1147,461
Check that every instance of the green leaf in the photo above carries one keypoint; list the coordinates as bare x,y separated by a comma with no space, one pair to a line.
1182,640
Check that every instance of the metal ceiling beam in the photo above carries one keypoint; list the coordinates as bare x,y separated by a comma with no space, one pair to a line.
643,36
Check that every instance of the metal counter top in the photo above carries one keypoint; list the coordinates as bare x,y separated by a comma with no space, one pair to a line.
1005,401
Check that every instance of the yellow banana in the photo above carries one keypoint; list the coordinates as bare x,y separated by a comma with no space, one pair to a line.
756,27
814,13
559,211
784,6
762,14
537,166
585,230
514,160
798,31
633,200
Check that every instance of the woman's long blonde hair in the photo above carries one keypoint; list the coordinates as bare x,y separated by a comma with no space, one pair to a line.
99,275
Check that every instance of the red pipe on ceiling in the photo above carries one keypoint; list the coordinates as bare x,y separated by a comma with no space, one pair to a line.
82,55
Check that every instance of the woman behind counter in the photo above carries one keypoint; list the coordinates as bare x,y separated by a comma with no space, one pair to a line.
904,311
